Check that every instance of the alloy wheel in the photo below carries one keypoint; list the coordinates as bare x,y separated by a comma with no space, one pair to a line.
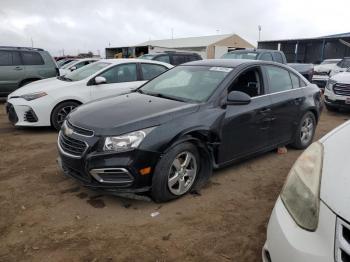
63,113
307,130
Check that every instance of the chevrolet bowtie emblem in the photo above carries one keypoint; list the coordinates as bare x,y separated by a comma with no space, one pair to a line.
67,131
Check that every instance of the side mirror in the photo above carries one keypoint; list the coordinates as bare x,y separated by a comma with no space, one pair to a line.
238,98
100,80
73,68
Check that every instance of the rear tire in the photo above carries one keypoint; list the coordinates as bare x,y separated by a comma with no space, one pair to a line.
60,112
305,132
176,172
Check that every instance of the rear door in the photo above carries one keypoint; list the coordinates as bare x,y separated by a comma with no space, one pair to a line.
11,71
120,79
286,100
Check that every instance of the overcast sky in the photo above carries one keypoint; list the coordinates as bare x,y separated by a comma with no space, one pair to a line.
90,25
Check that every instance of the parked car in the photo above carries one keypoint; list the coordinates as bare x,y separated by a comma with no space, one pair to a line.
337,91
64,61
307,70
167,136
76,64
257,54
48,102
20,66
311,218
173,58
322,71
341,66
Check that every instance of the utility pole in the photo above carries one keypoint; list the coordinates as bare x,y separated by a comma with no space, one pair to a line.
259,28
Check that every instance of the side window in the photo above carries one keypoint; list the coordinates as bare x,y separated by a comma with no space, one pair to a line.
9,58
120,74
32,58
266,57
279,79
163,58
277,57
295,80
150,71
249,82
179,59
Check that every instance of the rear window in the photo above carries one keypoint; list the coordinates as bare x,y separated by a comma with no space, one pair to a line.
32,58
150,71
277,57
9,58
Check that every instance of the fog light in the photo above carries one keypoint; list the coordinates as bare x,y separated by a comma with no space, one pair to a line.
145,171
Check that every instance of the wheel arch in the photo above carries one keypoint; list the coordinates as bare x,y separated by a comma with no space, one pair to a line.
61,102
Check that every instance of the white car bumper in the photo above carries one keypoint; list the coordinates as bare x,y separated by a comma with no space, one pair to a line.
31,113
287,242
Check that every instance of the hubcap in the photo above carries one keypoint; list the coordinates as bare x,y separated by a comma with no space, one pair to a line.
182,173
307,130
63,113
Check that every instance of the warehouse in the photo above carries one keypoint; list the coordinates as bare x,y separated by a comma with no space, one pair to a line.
213,46
311,50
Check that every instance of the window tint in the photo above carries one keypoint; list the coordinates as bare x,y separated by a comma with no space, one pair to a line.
277,57
32,58
163,58
249,82
295,80
150,71
9,58
266,57
279,79
120,74
179,59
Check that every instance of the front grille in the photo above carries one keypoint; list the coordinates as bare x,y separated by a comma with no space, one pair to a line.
10,110
71,146
341,89
30,116
342,241
112,175
80,130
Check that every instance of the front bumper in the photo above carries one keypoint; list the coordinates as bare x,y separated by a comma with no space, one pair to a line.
29,113
287,242
334,100
112,172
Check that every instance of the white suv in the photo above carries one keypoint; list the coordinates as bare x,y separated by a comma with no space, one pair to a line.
311,219
337,91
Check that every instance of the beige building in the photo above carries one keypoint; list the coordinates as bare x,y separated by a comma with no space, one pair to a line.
213,46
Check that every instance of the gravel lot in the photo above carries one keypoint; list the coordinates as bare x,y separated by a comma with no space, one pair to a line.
47,217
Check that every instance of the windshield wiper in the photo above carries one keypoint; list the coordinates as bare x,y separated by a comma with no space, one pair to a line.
165,96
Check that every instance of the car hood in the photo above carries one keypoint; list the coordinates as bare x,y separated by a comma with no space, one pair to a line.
343,77
335,183
44,85
324,68
126,113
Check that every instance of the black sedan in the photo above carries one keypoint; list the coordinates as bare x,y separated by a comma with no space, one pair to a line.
168,136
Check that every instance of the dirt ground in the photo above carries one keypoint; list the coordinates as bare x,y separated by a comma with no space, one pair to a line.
45,216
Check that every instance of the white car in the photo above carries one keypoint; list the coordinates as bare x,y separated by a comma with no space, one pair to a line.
341,66
322,71
311,219
337,92
76,64
48,102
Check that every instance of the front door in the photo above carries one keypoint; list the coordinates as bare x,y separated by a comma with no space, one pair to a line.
11,71
120,79
246,128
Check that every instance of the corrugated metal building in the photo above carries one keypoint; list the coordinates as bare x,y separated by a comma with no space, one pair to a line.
213,46
311,50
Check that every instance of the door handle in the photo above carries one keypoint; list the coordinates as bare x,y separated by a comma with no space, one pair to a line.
17,68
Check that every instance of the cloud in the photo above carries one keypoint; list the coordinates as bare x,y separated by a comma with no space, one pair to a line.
89,25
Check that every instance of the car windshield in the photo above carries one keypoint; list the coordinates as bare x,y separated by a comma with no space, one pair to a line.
148,57
68,64
85,71
187,83
240,55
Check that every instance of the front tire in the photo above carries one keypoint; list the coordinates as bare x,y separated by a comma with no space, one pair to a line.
305,131
176,172
60,112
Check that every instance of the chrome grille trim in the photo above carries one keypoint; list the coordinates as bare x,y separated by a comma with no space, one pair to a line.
61,146
341,89
96,173
79,130
341,243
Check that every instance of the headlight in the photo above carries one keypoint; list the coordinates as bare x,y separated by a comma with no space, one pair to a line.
330,84
127,141
33,96
301,192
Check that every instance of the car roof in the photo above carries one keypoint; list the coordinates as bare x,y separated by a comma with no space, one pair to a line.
222,62
253,50
132,60
173,53
20,48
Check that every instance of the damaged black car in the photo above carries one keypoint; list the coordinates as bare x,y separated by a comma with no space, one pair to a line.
168,136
